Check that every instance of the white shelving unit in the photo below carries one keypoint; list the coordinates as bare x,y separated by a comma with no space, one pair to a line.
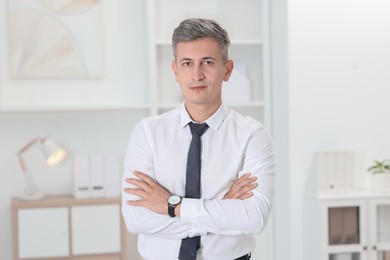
247,23
348,226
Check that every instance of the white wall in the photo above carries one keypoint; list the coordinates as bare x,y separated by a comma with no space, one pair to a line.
280,130
85,132
339,88
124,79
331,88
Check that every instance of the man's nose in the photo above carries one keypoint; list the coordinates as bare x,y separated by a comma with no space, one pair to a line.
197,73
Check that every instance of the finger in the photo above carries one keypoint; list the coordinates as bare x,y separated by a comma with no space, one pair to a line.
238,193
243,178
245,175
246,196
144,177
241,186
139,183
238,185
248,181
136,203
247,189
138,192
246,178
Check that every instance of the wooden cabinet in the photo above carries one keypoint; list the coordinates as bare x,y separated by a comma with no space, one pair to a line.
68,228
353,226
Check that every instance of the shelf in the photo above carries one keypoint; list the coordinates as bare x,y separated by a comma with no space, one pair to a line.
254,104
236,105
60,201
4,110
334,249
350,194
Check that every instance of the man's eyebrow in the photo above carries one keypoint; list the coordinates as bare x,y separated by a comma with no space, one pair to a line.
204,58
185,59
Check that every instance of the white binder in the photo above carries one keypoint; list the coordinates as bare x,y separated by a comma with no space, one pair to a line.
81,184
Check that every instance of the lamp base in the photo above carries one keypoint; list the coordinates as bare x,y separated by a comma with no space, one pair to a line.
32,196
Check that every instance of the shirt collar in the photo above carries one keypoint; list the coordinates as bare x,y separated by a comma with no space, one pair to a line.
214,121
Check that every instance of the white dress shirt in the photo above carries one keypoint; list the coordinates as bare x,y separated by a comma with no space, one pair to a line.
232,146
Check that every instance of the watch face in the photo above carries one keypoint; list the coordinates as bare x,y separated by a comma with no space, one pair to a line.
173,200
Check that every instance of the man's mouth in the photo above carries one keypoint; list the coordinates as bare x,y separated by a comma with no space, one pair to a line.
198,87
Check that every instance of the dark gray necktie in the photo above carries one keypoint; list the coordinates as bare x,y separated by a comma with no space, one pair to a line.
189,246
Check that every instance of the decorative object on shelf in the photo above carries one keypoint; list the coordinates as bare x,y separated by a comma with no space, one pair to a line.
238,88
380,175
96,176
336,171
55,38
53,154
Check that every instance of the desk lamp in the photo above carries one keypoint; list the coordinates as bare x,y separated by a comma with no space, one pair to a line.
53,154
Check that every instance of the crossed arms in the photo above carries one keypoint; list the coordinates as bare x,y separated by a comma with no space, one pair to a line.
154,197
243,208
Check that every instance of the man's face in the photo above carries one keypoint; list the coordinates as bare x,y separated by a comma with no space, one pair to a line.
200,71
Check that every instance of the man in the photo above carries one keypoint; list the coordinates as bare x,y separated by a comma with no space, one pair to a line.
216,220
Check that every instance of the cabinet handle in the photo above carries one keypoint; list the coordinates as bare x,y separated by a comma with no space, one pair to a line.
364,247
374,247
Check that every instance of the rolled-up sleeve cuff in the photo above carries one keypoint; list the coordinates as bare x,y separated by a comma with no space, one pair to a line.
189,210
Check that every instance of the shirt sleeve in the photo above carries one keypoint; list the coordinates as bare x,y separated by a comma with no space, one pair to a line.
139,219
234,216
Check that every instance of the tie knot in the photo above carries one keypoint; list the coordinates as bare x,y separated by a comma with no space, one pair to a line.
198,129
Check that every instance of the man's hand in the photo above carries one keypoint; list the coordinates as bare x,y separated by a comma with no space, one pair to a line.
153,195
242,187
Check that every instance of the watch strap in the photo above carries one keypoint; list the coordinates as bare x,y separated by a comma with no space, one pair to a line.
171,210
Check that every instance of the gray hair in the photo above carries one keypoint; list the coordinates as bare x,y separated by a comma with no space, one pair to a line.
195,28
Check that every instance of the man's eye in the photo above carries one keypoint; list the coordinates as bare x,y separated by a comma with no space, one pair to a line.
208,62
186,64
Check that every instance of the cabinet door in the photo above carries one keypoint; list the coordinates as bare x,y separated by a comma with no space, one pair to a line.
346,225
380,229
96,229
345,256
43,232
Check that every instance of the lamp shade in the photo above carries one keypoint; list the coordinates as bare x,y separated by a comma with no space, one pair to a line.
53,153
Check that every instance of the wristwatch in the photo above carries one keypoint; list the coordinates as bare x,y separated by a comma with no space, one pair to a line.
173,201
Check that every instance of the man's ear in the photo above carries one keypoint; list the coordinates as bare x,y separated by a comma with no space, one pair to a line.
229,69
174,68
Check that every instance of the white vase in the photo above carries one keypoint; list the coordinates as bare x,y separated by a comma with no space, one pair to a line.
381,182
